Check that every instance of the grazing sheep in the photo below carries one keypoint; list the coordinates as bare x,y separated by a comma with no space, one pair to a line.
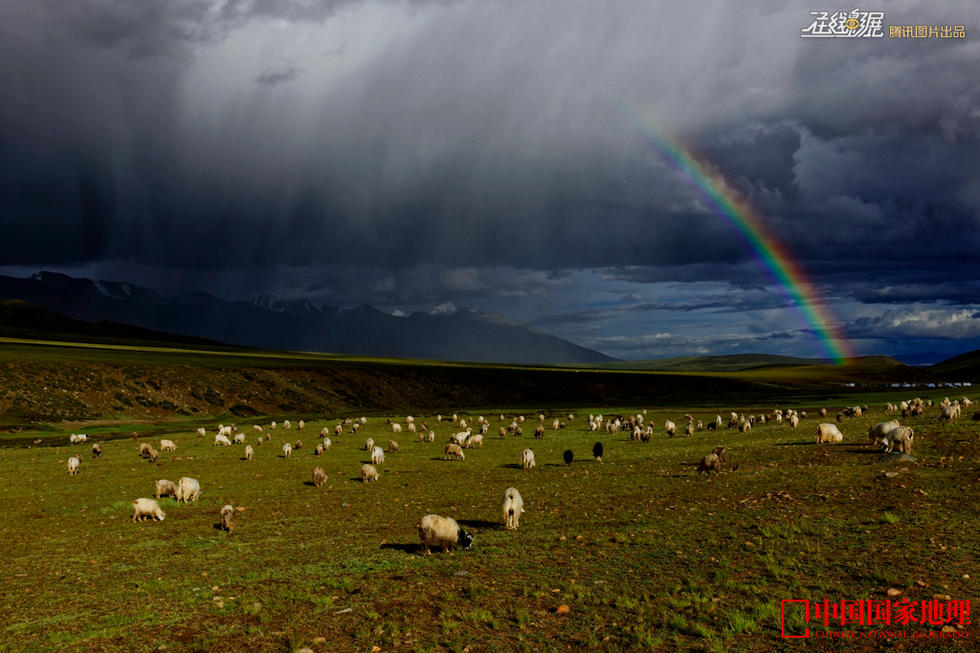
188,489
539,431
597,452
302,425
527,459
318,449
287,450
202,431
670,428
369,444
898,439
442,532
73,464
368,474
377,455
167,445
222,440
165,488
228,518
238,439
396,428
712,462
393,446
744,426
326,443
249,452
152,455
794,420
273,425
77,438
286,424
432,436
950,413
462,436
143,507
689,429
421,437
453,450
827,432
475,441
256,427
96,451
881,429
700,425
567,456
512,506
823,412
144,449
502,431
319,476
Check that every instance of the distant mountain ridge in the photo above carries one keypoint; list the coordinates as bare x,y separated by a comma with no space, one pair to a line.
446,333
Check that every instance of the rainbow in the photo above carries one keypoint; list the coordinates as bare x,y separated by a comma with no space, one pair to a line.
748,224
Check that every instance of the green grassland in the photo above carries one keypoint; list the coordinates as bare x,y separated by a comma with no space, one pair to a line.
644,551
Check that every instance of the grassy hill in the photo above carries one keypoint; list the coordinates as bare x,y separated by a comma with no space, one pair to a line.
965,367
731,363
55,381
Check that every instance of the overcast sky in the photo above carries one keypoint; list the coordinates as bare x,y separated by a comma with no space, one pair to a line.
407,154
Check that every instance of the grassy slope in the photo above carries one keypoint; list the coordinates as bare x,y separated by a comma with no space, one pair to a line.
52,382
965,367
732,363
644,551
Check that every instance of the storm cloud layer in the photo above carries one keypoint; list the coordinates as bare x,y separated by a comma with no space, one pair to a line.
408,153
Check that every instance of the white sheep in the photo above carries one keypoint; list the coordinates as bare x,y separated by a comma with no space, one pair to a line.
368,474
301,425
432,436
393,446
377,455
202,431
256,427
76,438
475,441
286,424
827,432
165,488
462,436
239,438
898,439
454,451
249,452
188,489
794,420
96,450
167,445
396,428
319,476
881,429
222,440
73,464
369,444
512,506
670,428
228,518
442,532
287,450
327,443
527,459
143,507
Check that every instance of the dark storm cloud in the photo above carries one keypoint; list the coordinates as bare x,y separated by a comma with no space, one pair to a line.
464,150
279,76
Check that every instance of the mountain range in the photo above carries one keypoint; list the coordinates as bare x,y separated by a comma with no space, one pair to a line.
444,333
